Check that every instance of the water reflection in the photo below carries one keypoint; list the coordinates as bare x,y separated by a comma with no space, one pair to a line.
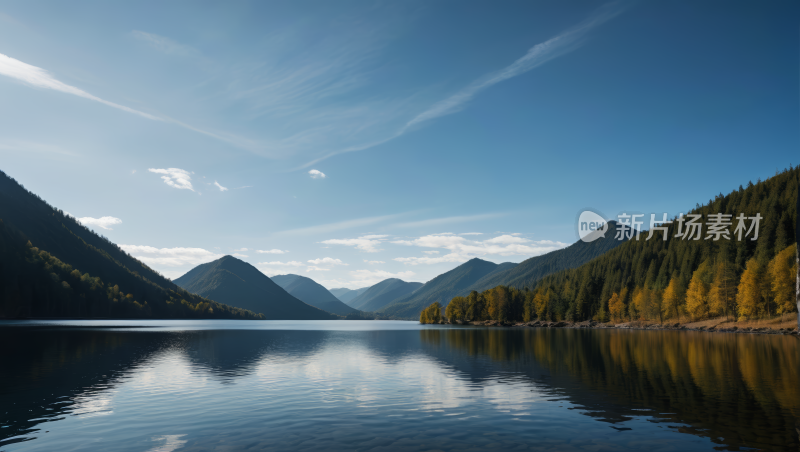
738,390
440,388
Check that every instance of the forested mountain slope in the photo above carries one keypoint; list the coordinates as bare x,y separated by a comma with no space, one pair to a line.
62,236
236,283
528,272
736,275
86,276
441,289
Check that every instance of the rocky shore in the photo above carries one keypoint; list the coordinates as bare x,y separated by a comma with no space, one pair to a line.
629,326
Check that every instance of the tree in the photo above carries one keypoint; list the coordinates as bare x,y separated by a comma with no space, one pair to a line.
672,299
749,300
697,294
457,309
781,271
431,314
616,307
722,294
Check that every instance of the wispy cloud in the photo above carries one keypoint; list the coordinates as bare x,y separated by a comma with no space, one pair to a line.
274,251
326,261
559,45
240,250
170,257
40,78
221,188
102,222
368,243
374,262
461,249
239,255
536,56
316,174
164,44
175,177
279,268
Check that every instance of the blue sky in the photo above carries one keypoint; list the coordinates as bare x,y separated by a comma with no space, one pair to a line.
444,130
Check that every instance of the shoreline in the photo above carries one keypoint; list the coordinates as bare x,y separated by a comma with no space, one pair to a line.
591,324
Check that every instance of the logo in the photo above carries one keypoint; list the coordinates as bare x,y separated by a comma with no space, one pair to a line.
591,226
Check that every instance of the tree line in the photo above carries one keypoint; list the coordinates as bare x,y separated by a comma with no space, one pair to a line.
34,283
660,279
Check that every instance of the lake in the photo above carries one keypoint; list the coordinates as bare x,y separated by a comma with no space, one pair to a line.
390,386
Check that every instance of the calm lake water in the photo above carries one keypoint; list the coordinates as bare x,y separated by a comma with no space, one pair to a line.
385,386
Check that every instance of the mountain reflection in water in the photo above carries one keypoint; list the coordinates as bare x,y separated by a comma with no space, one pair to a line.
393,386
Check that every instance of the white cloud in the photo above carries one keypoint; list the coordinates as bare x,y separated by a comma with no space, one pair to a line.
240,256
326,261
366,243
312,268
240,250
221,188
316,174
282,264
431,252
461,249
175,177
279,268
471,233
170,257
365,278
163,44
374,262
102,222
275,251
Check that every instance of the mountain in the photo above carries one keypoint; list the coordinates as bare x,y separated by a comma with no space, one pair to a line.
441,288
236,283
484,276
346,295
383,293
308,291
738,264
528,272
52,266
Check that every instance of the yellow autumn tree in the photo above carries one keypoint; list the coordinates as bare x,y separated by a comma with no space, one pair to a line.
749,300
431,314
637,300
541,300
671,299
782,271
616,307
457,308
697,294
